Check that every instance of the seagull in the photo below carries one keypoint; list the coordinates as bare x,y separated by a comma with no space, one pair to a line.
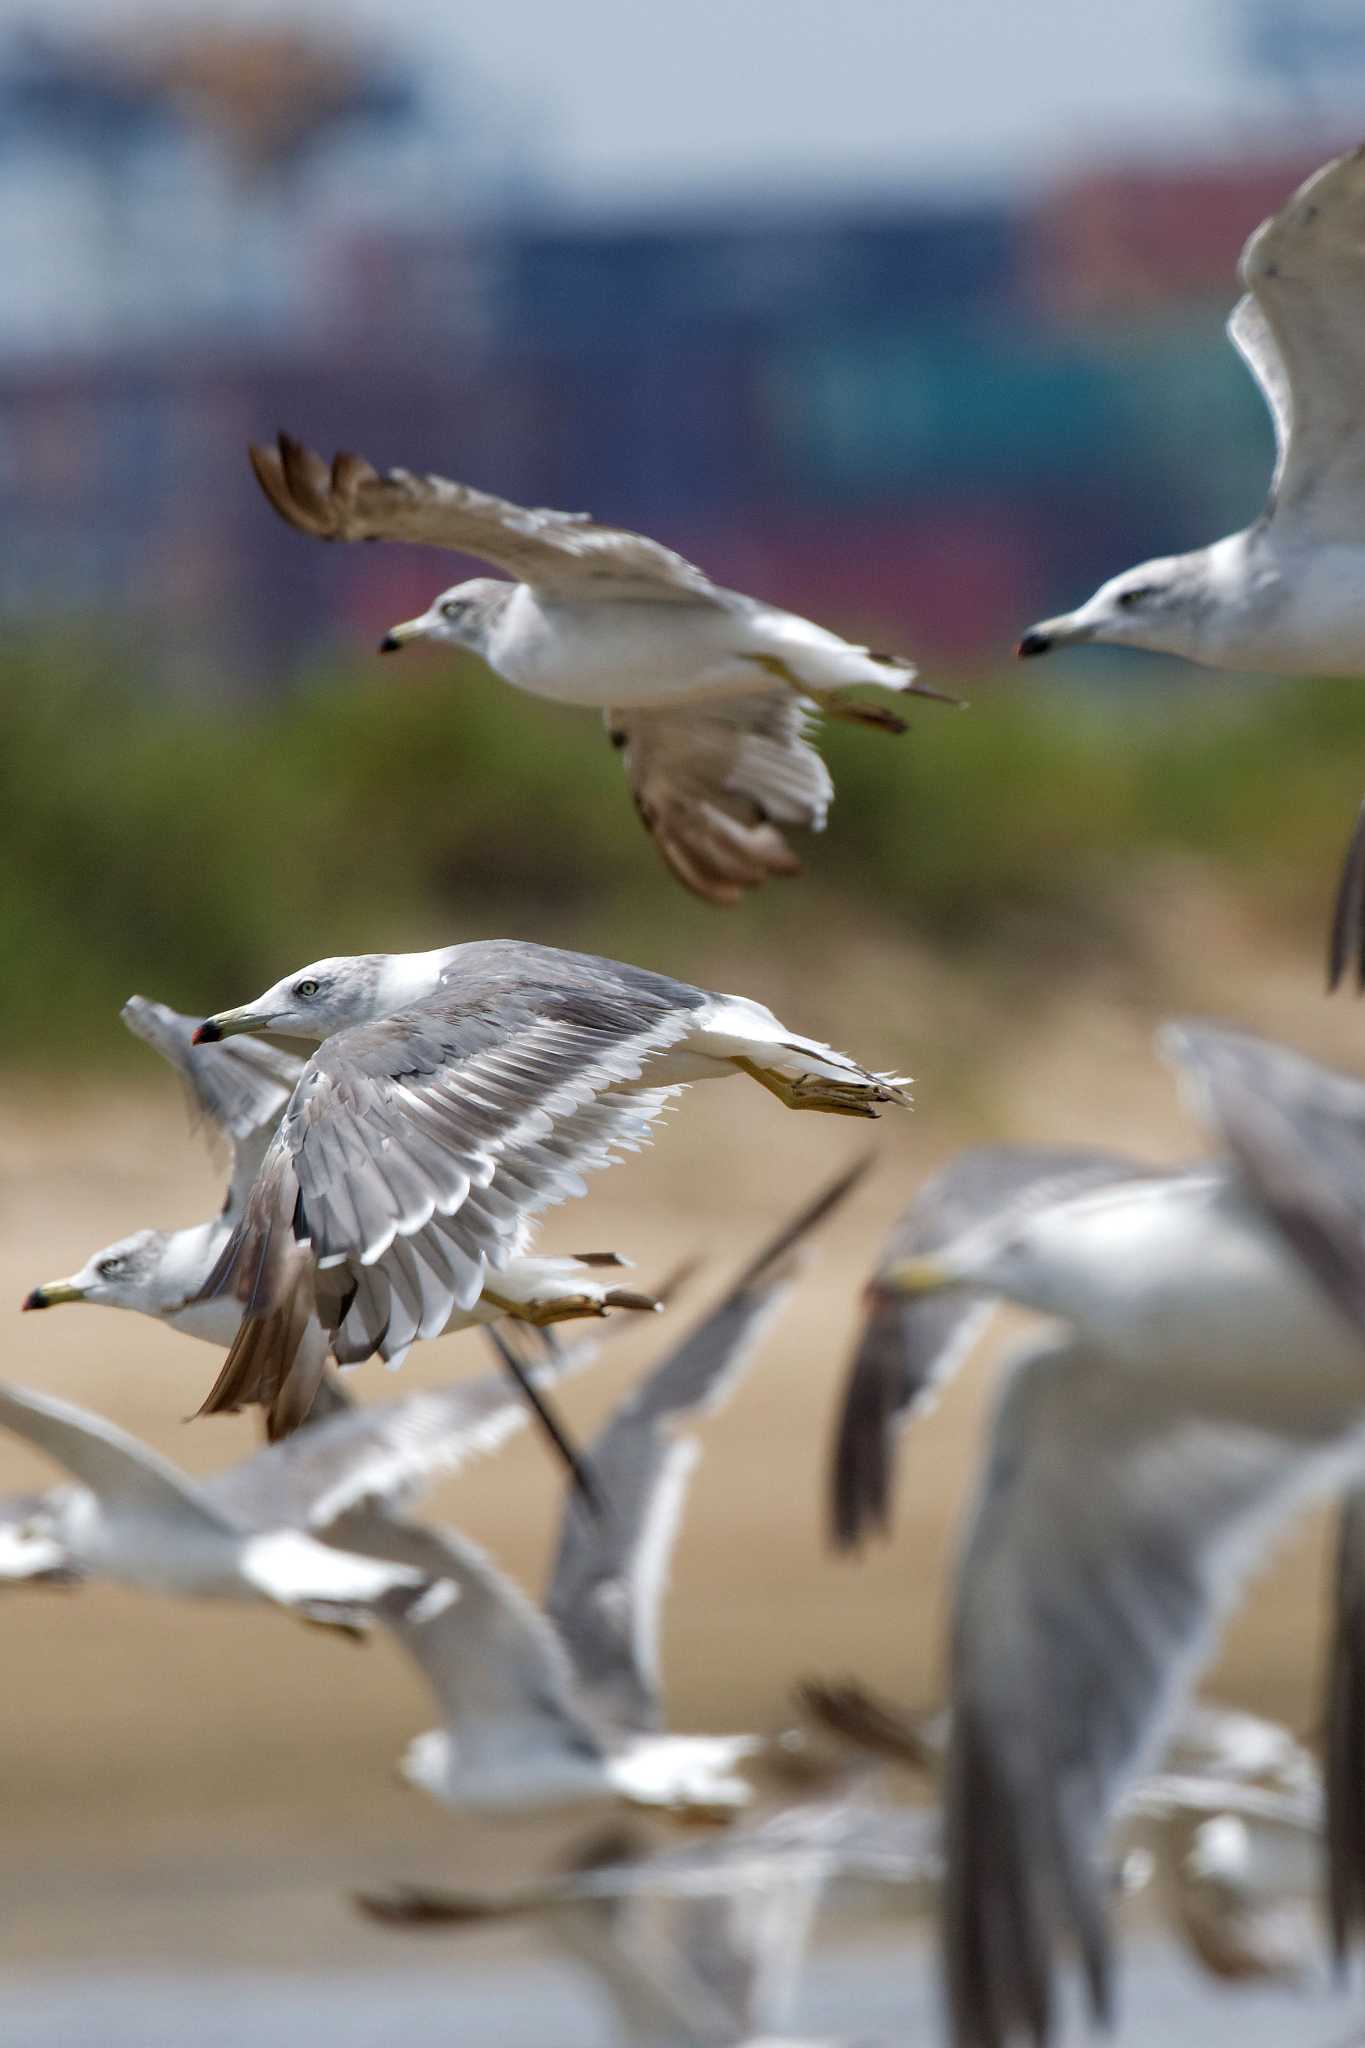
553,1708
382,1455
1203,1379
711,697
133,1516
1283,596
457,1093
240,1091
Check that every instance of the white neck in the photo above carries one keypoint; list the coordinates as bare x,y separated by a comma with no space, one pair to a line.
408,978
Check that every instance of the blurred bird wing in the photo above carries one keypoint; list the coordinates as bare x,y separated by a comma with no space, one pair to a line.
717,782
1304,340
607,1587
564,555
1113,1527
116,1467
908,1346
494,1664
383,1454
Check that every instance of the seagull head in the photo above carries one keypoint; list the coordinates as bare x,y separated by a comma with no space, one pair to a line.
31,1545
123,1275
1159,605
460,617
1042,1259
312,1002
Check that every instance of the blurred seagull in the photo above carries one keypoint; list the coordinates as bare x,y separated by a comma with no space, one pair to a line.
380,1455
459,1093
711,696
240,1090
1285,596
133,1516
561,1707
1210,1378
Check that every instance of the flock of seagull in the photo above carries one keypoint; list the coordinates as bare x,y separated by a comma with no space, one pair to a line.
1199,1380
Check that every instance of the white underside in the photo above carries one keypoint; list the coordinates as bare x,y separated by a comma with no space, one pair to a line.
621,653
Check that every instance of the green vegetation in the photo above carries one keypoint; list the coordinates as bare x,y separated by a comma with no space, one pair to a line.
195,853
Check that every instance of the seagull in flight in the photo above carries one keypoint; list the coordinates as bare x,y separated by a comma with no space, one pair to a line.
1203,1377
710,697
1286,595
456,1094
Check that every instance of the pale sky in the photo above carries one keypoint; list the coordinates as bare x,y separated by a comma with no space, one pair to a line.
642,100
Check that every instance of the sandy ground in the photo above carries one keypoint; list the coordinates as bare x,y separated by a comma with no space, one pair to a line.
196,1788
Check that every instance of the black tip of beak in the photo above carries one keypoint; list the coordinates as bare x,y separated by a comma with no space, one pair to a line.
390,644
37,1299
207,1034
1032,643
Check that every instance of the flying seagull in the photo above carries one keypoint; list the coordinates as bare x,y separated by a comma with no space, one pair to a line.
240,1090
1207,1379
456,1094
382,1455
1286,595
133,1516
710,696
561,1707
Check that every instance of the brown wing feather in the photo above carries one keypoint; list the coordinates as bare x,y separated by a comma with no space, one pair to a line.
563,551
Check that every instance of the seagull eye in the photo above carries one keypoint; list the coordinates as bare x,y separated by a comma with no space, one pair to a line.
1127,598
306,988
452,608
107,1268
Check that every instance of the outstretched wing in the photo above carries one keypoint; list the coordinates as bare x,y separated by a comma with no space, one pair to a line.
1304,340
610,1570
563,554
121,1471
909,1346
423,1145
716,783
494,1664
1114,1525
240,1086
385,1453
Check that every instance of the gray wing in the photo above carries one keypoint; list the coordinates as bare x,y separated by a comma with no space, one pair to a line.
716,783
240,1086
564,554
1344,1733
1305,270
423,1146
1296,1133
494,1664
907,1347
1114,1524
113,1465
383,1454
609,1574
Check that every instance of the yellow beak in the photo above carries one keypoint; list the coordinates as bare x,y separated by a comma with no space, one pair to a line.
52,1293
398,636
923,1274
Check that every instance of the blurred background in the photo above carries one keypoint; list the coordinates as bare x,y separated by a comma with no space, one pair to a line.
907,317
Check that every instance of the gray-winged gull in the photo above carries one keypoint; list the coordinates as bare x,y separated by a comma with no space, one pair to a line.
240,1089
710,696
133,1516
561,1707
1286,595
1207,1380
383,1454
459,1093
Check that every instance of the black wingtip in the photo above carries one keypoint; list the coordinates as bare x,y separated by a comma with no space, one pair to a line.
1346,946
